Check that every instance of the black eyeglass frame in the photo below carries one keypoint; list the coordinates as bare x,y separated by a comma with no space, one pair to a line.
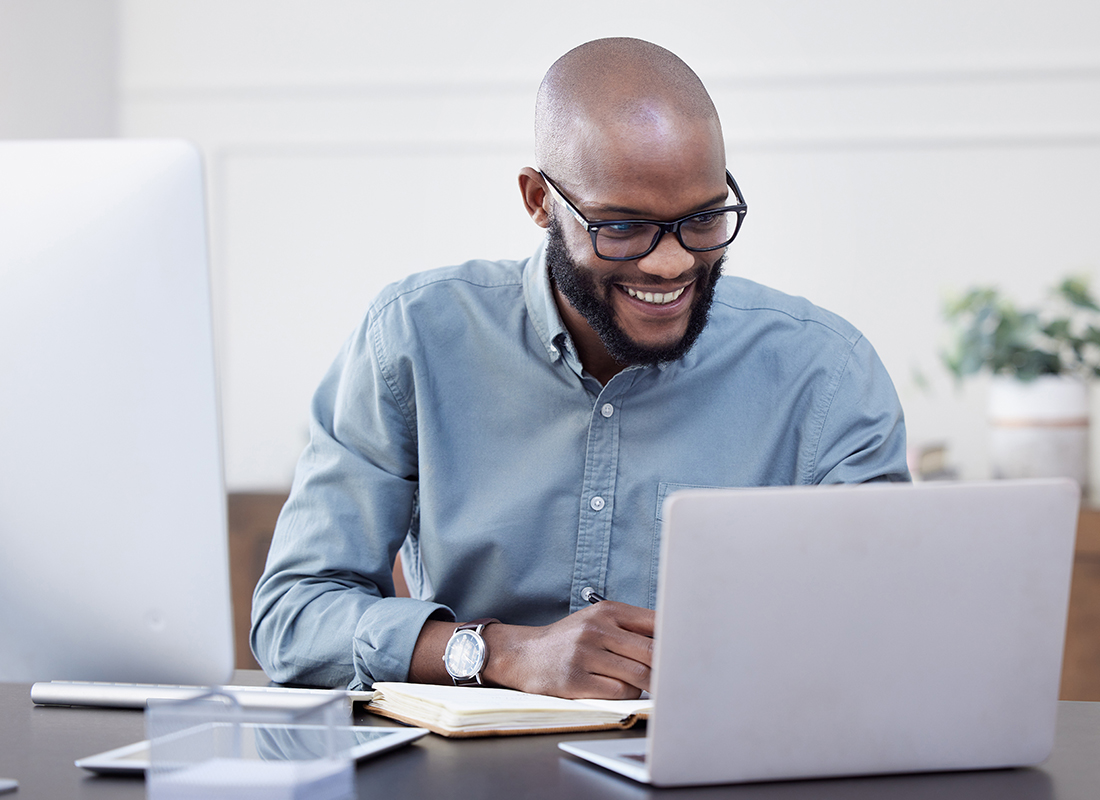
593,228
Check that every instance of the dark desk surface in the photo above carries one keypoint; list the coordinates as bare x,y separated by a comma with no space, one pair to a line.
38,747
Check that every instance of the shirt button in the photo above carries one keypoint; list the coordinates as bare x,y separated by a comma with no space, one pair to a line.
597,503
607,409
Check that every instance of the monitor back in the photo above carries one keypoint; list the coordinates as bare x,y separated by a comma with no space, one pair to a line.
113,547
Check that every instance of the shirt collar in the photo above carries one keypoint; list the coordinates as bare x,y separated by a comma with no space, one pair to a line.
543,308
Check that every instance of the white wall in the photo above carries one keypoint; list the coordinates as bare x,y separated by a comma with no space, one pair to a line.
58,75
889,153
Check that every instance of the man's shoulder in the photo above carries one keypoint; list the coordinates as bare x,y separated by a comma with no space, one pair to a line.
746,299
474,281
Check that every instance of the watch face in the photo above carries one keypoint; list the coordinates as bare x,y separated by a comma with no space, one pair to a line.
465,654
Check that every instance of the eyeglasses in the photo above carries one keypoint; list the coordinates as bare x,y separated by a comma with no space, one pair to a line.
629,239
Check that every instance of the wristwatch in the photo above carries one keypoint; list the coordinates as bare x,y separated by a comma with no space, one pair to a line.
467,653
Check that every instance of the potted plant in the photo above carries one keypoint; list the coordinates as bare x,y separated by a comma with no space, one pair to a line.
1040,360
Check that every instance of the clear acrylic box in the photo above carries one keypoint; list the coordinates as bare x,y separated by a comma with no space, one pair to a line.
211,747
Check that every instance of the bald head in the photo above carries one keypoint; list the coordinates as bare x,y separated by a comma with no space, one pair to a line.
624,89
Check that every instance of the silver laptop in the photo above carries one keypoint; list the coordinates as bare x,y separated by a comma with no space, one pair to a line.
824,631
113,552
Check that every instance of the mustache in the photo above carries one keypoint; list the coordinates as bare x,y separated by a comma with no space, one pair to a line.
697,273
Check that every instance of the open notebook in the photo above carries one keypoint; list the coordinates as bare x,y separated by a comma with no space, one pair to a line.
464,711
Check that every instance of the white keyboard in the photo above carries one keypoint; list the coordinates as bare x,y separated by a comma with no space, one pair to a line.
136,695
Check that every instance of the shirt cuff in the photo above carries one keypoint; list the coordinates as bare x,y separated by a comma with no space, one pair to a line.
386,636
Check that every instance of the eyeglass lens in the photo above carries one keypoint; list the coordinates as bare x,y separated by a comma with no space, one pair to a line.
701,232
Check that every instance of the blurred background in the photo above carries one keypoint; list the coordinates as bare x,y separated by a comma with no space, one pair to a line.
891,155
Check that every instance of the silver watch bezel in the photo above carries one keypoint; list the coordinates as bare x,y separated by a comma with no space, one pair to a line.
450,654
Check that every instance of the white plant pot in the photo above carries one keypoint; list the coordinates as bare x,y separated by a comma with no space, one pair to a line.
1039,428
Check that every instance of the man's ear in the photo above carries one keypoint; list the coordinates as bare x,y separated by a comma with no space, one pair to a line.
536,199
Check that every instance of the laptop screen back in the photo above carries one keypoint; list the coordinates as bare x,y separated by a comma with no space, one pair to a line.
816,631
113,553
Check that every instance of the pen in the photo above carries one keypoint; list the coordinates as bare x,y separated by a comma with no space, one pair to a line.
589,594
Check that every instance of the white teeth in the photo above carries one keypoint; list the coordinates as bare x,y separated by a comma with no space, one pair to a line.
655,297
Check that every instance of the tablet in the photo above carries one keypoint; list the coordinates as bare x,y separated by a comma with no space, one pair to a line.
270,743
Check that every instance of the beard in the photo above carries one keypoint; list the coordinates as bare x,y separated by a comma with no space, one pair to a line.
587,291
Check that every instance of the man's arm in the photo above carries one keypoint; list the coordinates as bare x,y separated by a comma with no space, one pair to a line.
324,612
862,435
605,650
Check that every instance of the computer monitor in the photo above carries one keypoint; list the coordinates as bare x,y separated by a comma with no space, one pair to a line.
113,545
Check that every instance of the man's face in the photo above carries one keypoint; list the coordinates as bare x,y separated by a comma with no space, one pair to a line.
608,294
655,164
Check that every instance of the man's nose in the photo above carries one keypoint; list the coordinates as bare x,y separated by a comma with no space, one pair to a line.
668,260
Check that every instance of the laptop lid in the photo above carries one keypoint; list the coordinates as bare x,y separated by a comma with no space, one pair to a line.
113,552
820,631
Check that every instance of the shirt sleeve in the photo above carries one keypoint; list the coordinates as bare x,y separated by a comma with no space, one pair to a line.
324,611
862,427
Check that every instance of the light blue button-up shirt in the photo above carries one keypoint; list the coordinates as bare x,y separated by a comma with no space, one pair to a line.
458,424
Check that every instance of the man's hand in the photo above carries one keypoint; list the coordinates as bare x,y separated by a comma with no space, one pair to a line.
605,650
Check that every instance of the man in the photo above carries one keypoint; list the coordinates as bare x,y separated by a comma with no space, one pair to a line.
513,427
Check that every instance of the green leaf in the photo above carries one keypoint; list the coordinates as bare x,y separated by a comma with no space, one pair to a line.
1076,291
1058,329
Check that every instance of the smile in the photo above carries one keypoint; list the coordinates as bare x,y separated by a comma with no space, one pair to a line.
656,298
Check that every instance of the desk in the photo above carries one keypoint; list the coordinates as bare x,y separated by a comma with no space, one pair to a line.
38,747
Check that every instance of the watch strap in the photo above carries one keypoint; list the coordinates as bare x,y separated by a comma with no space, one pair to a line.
477,625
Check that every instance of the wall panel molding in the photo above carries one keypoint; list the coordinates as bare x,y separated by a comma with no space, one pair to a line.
930,107
341,87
